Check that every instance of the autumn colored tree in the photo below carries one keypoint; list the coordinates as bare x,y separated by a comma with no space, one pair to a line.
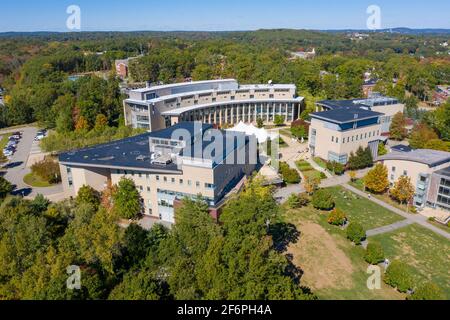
398,127
100,122
376,180
437,144
403,190
311,184
82,124
420,135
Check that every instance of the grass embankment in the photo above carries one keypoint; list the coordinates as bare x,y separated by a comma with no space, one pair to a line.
35,181
308,171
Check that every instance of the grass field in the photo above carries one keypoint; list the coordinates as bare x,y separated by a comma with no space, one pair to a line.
308,171
369,214
35,181
359,184
321,163
333,267
426,252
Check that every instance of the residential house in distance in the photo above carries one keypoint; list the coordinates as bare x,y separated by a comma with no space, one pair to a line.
301,54
217,102
429,171
122,67
368,87
166,166
440,95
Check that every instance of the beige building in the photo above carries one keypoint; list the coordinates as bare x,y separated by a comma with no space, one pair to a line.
334,134
166,166
389,107
429,171
216,102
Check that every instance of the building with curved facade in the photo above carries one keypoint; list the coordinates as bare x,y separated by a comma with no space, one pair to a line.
218,102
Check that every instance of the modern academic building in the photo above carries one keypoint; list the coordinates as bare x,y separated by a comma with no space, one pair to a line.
185,160
429,171
341,127
389,107
217,102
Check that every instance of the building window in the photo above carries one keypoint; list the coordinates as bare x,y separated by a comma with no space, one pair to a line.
337,140
392,177
197,184
181,181
165,179
209,186
332,138
405,173
189,183
393,169
148,189
141,188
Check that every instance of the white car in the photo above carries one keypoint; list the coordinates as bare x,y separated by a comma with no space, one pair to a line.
7,152
39,137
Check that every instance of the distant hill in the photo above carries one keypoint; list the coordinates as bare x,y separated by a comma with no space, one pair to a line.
397,30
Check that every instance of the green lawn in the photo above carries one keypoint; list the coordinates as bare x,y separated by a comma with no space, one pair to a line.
320,162
35,181
359,184
4,141
333,267
369,214
426,252
308,171
440,226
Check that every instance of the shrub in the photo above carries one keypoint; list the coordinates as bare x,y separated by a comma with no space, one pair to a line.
428,291
374,253
279,120
323,200
304,199
293,201
88,195
337,217
356,233
300,129
290,176
5,187
48,170
297,200
335,167
398,275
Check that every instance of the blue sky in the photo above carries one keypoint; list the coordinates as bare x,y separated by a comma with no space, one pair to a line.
128,15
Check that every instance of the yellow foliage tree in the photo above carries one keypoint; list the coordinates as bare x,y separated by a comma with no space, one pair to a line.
82,124
403,190
376,180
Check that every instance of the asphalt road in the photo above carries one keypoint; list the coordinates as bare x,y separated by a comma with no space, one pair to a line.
16,169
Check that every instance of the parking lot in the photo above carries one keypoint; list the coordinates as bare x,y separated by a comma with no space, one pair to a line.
17,168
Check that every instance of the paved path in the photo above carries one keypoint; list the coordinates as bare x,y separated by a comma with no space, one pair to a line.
389,228
17,167
283,194
411,218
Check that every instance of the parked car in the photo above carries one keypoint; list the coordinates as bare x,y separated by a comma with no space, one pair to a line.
8,152
11,144
15,136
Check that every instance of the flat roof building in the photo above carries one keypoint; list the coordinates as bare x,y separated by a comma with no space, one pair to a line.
429,171
335,134
185,160
389,107
217,102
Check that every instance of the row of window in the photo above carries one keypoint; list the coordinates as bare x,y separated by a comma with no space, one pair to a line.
356,137
443,200
189,182
166,180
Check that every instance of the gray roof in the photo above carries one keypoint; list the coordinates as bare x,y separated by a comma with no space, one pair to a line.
444,172
346,115
134,153
358,103
432,158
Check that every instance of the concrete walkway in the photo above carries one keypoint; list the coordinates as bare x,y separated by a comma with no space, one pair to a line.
411,218
389,228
